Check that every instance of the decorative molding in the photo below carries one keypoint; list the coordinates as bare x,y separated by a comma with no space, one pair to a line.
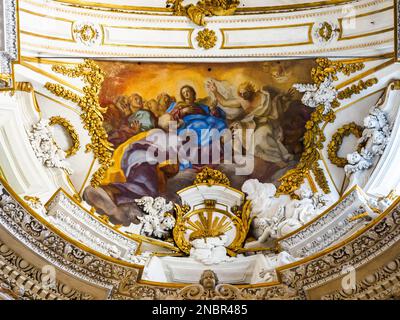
10,51
80,225
131,34
87,33
359,249
337,140
329,227
37,236
325,32
24,281
384,283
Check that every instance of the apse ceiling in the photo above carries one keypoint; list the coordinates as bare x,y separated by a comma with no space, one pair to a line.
191,144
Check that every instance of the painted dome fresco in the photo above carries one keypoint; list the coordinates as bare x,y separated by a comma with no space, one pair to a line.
199,150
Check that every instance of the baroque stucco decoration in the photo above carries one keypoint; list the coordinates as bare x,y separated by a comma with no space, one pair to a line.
44,147
92,112
203,8
361,248
372,143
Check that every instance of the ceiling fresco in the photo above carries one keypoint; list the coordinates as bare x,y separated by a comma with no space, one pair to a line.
199,150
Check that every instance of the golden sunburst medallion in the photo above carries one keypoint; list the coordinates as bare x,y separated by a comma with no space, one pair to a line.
208,212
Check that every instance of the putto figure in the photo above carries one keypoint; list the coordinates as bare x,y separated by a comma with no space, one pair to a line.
208,279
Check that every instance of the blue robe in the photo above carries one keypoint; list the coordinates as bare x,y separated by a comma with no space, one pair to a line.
202,124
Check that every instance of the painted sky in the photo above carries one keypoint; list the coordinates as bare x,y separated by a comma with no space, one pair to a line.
151,79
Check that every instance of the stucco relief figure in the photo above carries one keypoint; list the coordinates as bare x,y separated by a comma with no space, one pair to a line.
372,144
274,217
209,250
208,279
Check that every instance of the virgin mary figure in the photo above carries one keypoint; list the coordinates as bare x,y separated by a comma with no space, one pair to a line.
194,117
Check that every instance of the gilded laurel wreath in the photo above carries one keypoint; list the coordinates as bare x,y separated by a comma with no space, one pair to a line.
69,128
337,140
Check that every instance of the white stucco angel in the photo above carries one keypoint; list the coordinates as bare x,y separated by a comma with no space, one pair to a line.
157,222
209,250
375,137
316,95
275,217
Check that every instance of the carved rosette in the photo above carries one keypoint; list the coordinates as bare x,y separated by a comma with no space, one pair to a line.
206,39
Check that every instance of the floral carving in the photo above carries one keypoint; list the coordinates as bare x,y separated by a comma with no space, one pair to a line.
206,38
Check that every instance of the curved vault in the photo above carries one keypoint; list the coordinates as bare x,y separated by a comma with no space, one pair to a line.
70,173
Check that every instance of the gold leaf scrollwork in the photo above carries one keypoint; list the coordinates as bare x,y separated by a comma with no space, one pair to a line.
92,112
337,140
71,132
203,8
314,136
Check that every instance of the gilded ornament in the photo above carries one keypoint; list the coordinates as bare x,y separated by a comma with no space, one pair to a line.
71,132
92,112
325,32
208,224
33,200
203,8
206,38
5,79
314,136
211,176
337,140
356,88
87,33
